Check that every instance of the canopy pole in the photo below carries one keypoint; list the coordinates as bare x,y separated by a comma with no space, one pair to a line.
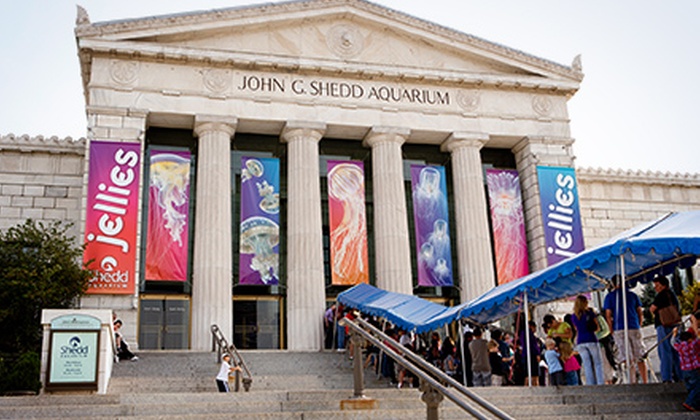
461,330
527,340
624,319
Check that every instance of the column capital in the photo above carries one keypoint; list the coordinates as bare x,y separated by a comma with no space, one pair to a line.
204,123
382,134
298,130
460,139
545,140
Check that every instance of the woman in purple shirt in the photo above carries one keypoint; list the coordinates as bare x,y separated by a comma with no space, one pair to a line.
586,324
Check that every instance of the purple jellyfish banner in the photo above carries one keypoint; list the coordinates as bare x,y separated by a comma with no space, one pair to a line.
560,213
260,218
509,240
168,216
430,215
348,225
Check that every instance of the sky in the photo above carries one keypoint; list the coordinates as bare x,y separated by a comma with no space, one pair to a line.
636,108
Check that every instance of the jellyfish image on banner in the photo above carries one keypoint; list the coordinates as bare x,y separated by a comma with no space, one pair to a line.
259,228
510,243
252,168
259,236
430,217
166,248
346,191
270,202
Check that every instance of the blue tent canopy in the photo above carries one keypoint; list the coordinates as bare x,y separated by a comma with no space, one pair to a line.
646,250
649,249
407,312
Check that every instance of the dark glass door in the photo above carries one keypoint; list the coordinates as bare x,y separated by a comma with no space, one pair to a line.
164,323
256,323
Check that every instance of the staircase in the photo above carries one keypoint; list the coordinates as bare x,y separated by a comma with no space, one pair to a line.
310,386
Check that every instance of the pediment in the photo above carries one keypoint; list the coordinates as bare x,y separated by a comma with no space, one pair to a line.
317,33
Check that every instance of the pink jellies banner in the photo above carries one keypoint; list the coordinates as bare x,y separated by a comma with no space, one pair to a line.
168,216
112,215
431,219
348,225
260,232
508,222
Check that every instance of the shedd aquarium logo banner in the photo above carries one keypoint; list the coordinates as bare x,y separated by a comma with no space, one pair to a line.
561,216
75,348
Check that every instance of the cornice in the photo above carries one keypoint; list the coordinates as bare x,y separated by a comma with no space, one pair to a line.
331,68
618,176
53,144
85,29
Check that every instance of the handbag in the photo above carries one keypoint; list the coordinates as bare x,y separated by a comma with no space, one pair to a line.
591,321
669,316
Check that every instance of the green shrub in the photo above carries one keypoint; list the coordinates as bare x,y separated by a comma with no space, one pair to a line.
20,374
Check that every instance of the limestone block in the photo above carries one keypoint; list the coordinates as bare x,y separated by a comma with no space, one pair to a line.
600,214
33,190
109,121
58,192
71,165
125,133
32,213
5,200
54,214
19,201
44,202
10,212
9,189
67,203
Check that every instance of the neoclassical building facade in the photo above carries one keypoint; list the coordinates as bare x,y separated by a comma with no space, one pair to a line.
304,85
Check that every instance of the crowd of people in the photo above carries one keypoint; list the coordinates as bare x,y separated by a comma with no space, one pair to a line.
584,348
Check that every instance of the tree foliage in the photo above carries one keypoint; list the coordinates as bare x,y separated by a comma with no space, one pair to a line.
40,268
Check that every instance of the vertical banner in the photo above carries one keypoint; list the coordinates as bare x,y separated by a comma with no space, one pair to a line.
510,242
430,215
561,217
111,216
348,225
168,216
260,232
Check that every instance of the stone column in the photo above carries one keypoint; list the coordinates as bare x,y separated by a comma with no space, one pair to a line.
305,279
474,255
391,240
213,258
529,153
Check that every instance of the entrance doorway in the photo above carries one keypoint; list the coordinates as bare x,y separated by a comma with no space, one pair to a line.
257,322
164,322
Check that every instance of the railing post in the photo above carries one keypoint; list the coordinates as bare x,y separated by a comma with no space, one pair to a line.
237,386
432,399
358,369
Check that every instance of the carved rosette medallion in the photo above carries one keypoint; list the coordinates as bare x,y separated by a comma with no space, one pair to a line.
542,105
469,100
124,73
345,41
217,80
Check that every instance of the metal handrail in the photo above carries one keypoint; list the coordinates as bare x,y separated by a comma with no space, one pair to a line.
424,370
221,346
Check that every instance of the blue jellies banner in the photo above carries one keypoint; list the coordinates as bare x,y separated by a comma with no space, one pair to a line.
432,228
561,216
259,231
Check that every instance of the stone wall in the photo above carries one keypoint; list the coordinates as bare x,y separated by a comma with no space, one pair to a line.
42,179
613,201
